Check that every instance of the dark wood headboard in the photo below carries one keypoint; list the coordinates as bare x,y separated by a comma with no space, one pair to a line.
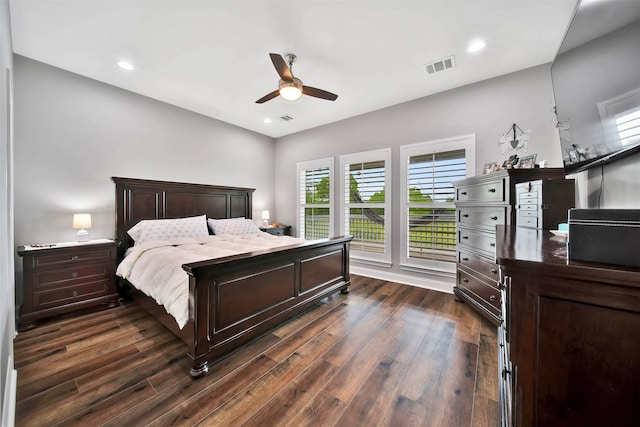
138,199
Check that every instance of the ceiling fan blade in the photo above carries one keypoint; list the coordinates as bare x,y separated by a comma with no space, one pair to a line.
268,96
281,67
319,93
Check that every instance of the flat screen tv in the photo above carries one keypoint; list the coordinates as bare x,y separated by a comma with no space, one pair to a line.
596,84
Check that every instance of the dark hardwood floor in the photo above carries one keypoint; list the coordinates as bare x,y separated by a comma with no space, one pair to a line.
386,354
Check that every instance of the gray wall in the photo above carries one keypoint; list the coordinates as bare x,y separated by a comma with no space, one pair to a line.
7,313
73,133
487,109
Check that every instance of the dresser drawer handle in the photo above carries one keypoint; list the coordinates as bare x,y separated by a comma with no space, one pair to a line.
492,190
74,293
465,259
493,245
464,193
465,237
465,215
495,218
75,257
494,271
465,280
74,274
492,298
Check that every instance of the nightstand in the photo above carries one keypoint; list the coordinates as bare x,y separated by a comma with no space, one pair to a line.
278,230
66,277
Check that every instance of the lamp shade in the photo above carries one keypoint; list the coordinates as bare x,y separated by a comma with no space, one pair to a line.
82,220
265,214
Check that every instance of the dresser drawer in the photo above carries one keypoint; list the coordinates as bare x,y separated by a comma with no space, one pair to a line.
479,264
493,191
478,241
484,294
527,221
78,274
487,217
68,257
56,297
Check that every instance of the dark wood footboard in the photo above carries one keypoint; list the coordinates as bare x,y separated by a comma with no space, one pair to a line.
236,299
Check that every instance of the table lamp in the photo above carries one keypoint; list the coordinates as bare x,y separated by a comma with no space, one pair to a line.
265,218
82,221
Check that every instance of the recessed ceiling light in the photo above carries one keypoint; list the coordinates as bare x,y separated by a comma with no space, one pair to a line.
125,65
476,46
267,120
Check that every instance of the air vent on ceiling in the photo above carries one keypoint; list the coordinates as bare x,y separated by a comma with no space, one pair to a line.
440,65
286,118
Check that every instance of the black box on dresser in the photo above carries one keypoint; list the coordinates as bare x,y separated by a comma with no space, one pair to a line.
607,236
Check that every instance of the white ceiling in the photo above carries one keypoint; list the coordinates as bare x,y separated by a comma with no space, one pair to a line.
211,57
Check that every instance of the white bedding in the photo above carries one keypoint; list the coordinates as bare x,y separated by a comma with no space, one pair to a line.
155,267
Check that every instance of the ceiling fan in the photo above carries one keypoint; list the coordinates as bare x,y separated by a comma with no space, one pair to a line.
290,87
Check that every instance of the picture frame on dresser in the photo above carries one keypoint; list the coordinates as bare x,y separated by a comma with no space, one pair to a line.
528,162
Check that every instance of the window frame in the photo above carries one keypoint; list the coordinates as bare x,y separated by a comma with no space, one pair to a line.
301,167
384,155
463,142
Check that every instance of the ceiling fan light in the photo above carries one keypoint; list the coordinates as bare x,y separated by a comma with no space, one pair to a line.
291,91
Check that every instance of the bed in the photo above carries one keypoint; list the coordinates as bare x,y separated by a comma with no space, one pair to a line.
237,298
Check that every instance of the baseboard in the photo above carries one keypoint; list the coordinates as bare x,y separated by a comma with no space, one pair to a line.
434,285
9,403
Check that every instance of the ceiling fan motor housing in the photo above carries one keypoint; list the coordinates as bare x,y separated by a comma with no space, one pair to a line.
290,90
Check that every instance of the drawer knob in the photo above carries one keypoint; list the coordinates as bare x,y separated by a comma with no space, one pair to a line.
75,257
74,274
493,245
465,259
492,298
74,293
465,237
494,271
465,280
492,190
465,215
464,193
495,218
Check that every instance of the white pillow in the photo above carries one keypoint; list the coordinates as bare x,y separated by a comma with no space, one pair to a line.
163,229
233,226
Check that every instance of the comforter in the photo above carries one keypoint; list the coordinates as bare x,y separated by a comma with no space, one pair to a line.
155,267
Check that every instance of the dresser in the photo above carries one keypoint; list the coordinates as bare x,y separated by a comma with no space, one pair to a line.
482,202
570,340
66,277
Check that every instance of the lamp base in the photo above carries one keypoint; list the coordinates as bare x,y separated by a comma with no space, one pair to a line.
82,236
265,223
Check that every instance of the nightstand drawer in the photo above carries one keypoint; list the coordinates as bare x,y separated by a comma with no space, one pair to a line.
78,274
70,294
70,257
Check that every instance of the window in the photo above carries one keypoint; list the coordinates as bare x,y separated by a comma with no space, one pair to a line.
315,199
620,118
366,204
428,200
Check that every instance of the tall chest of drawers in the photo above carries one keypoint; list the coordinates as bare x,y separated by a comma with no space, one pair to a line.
482,202
67,277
